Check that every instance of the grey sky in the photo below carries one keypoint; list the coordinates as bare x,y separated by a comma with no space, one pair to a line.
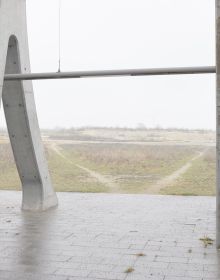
110,34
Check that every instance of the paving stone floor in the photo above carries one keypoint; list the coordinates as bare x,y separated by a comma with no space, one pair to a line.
100,236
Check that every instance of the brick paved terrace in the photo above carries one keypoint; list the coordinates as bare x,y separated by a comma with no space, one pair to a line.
107,236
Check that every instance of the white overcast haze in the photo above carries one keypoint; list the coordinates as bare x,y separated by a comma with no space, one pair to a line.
119,34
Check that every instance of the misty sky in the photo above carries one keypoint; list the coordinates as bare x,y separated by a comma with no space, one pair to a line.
117,34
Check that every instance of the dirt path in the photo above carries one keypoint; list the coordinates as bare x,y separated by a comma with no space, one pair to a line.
165,182
99,177
113,187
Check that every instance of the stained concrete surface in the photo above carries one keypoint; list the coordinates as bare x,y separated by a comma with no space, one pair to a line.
20,110
101,236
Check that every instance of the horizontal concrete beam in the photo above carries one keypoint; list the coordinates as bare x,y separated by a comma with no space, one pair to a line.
112,73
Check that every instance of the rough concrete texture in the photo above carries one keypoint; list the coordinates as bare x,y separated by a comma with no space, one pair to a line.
218,120
20,110
100,236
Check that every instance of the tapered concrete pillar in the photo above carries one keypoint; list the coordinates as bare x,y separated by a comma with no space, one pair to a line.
20,110
218,124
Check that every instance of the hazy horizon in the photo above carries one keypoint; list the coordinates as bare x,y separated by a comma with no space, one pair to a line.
122,34
3,128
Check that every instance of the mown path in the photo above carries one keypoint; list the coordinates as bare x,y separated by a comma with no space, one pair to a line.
170,179
113,187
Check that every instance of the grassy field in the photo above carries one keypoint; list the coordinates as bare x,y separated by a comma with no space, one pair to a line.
133,135
133,168
124,161
198,180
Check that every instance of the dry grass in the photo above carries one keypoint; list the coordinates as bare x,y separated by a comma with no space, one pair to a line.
132,167
69,178
9,178
207,241
129,270
140,255
142,135
198,180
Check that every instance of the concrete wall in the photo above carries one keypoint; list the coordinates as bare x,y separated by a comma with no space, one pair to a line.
218,123
20,110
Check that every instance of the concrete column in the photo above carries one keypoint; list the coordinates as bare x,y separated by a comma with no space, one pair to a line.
218,123
20,110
